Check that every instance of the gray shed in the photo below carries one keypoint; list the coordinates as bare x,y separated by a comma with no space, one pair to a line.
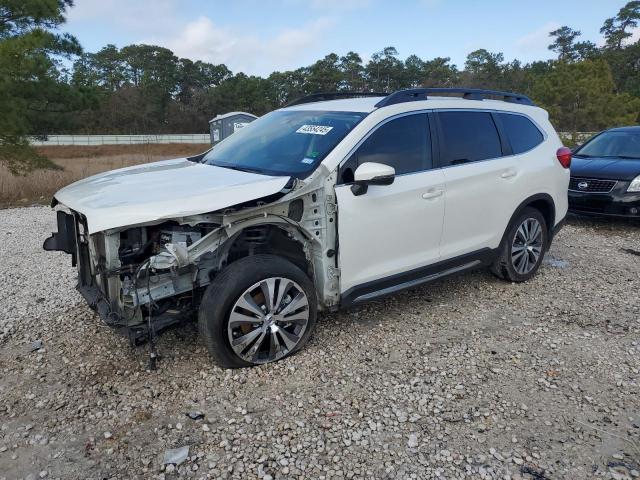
222,126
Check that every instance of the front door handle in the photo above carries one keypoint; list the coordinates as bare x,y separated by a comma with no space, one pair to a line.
509,173
432,193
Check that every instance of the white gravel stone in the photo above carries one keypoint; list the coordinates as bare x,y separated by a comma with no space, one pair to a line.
464,378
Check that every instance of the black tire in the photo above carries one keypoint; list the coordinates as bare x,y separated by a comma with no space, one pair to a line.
503,266
226,288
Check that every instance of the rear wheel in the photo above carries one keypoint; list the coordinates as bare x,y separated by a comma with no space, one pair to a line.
523,248
259,309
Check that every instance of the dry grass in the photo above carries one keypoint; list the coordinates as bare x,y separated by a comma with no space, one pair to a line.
150,149
79,162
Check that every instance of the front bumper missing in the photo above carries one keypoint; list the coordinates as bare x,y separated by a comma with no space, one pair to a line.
96,301
94,287
65,239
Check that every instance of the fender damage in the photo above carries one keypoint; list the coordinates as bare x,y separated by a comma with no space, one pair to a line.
153,272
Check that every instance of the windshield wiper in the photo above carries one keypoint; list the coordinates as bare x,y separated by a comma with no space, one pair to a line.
241,169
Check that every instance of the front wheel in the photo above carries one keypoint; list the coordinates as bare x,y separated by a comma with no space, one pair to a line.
259,309
522,250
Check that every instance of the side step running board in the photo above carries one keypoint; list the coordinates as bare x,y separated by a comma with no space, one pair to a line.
414,283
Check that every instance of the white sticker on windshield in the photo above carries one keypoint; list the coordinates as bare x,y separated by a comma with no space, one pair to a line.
307,160
314,129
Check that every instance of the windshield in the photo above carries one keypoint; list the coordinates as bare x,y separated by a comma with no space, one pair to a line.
612,144
284,142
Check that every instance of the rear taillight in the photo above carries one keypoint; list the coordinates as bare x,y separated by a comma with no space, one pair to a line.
564,156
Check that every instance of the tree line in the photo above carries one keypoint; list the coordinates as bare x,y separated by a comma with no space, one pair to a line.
48,85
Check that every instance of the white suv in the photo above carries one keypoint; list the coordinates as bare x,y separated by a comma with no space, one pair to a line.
317,206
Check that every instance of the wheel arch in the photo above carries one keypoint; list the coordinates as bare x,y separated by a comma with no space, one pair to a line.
282,239
543,202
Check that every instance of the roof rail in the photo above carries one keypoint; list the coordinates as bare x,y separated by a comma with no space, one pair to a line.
321,97
415,94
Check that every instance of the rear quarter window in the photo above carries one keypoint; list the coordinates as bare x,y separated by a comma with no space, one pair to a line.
521,132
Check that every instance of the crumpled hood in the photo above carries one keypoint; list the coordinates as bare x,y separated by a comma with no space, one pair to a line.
162,190
610,168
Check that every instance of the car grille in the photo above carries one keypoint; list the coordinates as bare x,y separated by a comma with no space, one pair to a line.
591,185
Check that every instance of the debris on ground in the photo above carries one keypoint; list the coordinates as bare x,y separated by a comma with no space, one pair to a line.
195,415
176,456
555,262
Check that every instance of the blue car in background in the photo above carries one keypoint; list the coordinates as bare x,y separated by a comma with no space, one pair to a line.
605,175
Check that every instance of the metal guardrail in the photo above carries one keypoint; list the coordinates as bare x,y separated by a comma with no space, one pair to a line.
119,139
184,138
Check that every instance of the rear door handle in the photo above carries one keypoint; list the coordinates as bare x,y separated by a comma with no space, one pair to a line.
432,193
509,173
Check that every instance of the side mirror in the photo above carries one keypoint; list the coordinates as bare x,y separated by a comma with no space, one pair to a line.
370,173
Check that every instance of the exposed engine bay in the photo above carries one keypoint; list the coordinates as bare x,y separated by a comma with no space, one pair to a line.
147,277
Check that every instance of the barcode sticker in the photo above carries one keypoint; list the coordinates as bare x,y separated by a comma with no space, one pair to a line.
314,129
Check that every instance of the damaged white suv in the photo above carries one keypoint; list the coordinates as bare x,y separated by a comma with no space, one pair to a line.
327,203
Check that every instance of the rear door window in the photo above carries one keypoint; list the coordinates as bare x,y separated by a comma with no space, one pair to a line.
467,137
521,133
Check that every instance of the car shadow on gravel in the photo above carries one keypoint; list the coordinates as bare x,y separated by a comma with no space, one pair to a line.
181,342
418,300
606,223
433,300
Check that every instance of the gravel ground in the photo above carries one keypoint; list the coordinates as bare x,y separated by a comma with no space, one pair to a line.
467,378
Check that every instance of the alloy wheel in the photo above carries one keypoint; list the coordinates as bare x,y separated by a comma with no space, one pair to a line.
527,246
268,320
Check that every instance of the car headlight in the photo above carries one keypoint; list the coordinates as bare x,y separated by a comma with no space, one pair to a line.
635,185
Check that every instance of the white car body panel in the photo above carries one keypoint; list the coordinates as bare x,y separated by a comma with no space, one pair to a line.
162,190
391,228
481,197
478,201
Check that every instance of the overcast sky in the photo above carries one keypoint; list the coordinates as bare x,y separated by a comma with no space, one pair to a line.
258,37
